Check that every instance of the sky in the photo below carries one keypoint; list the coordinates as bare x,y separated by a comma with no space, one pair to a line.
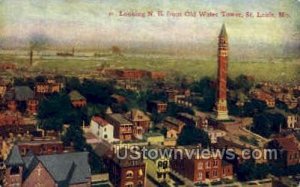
87,22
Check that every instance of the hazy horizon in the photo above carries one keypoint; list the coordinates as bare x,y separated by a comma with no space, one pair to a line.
85,24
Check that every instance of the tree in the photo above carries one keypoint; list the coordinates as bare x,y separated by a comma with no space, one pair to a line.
190,135
262,125
251,171
40,79
244,83
54,111
254,107
97,92
75,136
72,83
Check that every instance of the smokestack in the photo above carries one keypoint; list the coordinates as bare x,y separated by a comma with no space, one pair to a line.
31,57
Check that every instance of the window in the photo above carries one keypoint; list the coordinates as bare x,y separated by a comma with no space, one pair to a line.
200,176
159,164
140,184
129,174
215,173
104,129
215,162
141,173
159,175
129,184
200,165
165,165
208,164
105,136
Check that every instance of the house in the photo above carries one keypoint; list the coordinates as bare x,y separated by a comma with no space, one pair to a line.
127,171
48,87
67,169
157,106
102,129
203,169
140,121
123,129
154,138
77,99
293,121
170,138
159,169
173,123
264,96
40,147
20,95
15,123
118,99
289,149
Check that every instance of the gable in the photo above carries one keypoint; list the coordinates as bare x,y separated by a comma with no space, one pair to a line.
39,175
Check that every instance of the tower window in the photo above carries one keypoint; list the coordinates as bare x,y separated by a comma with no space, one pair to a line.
14,170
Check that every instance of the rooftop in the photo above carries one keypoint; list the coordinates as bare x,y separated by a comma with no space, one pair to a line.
75,95
120,119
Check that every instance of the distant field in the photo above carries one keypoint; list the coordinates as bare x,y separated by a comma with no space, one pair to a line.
279,70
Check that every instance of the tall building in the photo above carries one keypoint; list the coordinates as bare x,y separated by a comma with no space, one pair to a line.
222,112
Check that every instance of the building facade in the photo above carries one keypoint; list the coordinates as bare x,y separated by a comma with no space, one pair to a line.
101,129
123,129
203,170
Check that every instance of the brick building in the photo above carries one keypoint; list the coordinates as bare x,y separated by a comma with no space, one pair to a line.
289,149
19,96
133,74
15,123
126,172
156,75
68,169
141,122
123,129
157,106
206,169
264,96
40,147
49,87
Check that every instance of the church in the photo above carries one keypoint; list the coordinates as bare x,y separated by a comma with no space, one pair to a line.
57,170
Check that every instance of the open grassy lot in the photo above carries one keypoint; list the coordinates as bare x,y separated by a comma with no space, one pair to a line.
281,70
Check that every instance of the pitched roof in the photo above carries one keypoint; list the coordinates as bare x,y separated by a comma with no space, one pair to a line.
23,93
75,95
288,143
14,158
67,168
223,32
100,121
137,115
119,118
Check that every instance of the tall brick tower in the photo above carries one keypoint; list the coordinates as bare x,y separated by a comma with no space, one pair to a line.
221,105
